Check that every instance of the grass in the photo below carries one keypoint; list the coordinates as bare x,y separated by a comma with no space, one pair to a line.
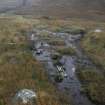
94,85
18,69
66,51
94,46
65,29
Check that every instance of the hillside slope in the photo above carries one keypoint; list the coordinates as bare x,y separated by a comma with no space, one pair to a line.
65,8
57,8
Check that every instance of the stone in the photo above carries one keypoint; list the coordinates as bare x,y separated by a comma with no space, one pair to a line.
25,96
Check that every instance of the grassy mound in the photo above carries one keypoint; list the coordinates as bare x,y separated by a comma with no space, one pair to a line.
93,85
94,45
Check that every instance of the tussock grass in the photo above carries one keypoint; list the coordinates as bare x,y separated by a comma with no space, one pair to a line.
94,45
18,69
66,51
93,85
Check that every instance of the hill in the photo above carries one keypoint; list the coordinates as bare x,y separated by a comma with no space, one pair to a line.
57,8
